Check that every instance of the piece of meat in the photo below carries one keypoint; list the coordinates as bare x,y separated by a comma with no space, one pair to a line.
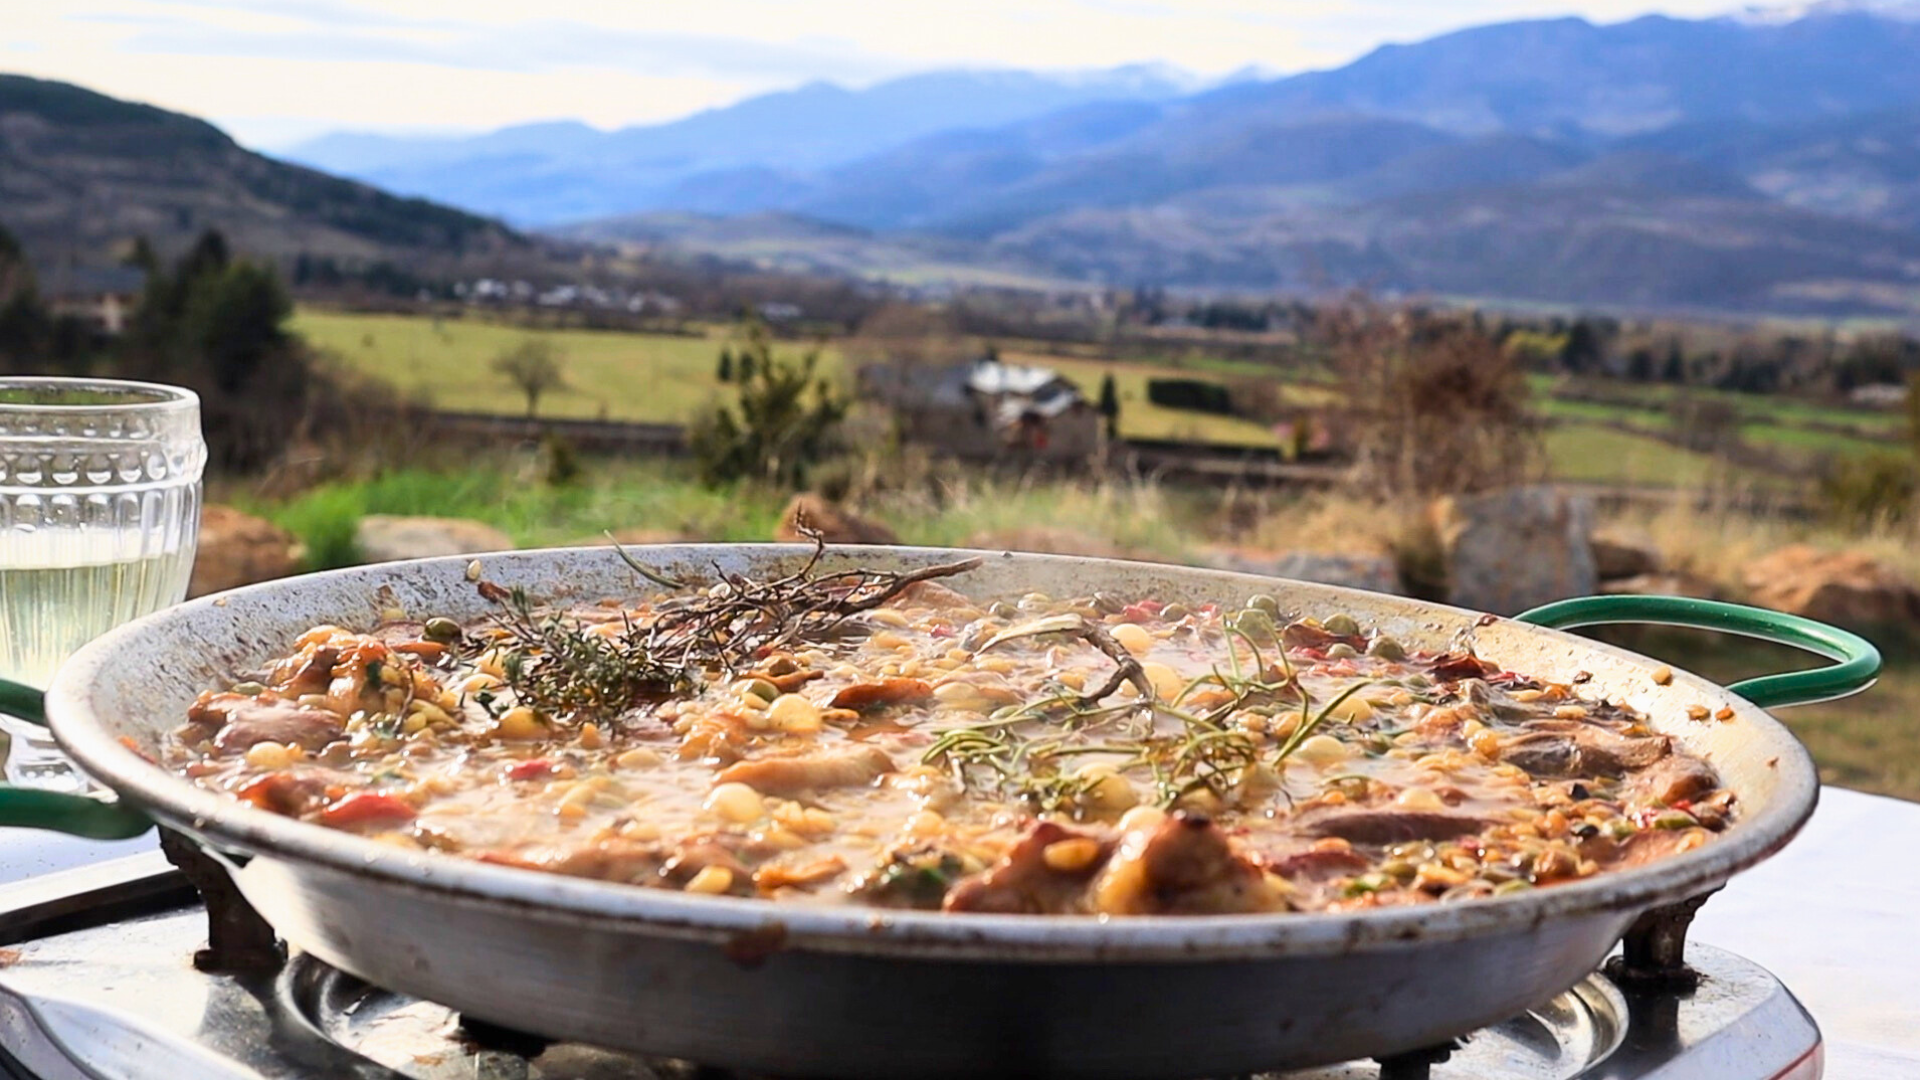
305,673
1453,667
1638,849
293,792
1306,635
1181,866
624,861
1022,882
1575,748
854,766
696,853
930,594
781,874
1673,779
1388,825
1321,862
245,721
872,695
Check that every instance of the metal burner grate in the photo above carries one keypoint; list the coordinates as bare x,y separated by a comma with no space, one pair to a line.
111,995
1561,1040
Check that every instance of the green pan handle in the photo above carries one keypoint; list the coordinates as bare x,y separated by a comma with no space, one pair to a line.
1859,660
76,815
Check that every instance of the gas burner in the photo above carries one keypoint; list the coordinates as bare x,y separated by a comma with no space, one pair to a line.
95,983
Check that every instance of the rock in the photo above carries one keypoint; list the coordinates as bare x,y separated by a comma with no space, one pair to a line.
238,549
1374,573
835,523
1047,540
1624,553
1664,583
1514,549
1844,587
387,537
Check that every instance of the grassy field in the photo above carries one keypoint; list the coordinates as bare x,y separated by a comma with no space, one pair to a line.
1589,453
667,379
623,376
658,377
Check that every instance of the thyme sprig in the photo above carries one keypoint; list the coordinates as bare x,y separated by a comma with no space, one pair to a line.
556,664
1025,752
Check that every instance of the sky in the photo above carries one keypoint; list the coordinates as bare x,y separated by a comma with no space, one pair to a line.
275,72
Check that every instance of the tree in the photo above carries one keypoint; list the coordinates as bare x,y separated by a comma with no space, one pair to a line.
1433,406
1581,353
1110,405
24,324
725,374
781,422
1675,369
217,324
534,368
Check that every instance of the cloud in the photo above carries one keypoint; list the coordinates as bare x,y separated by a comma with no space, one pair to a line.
321,32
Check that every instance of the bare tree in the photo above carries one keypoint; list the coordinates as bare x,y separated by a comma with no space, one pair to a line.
1435,405
533,367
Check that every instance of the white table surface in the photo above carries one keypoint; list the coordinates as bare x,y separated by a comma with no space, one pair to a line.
1836,916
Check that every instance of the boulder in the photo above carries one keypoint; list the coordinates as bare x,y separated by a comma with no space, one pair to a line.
1844,587
1372,572
1517,548
835,523
238,549
1625,553
1047,540
388,537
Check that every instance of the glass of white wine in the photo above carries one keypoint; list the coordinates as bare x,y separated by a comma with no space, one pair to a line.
99,517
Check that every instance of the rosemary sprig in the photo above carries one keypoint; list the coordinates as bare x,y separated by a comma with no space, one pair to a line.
554,665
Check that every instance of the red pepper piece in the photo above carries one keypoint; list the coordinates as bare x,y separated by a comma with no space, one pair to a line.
367,808
1142,611
532,769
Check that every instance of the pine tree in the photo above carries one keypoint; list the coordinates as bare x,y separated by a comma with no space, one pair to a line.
1110,405
725,373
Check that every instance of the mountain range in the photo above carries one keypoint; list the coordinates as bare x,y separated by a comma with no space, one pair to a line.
1764,161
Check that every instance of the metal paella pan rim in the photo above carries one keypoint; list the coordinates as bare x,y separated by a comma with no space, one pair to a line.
137,680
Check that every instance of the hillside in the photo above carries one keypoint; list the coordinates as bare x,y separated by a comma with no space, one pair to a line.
82,174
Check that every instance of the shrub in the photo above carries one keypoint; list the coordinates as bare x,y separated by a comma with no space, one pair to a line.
1194,395
1862,492
781,422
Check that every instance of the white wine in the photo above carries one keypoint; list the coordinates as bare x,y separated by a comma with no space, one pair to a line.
62,588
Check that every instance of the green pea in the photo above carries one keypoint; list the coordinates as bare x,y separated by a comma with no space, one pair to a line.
442,629
1263,602
250,689
1399,869
1341,625
1340,650
1386,648
1108,603
1175,612
1003,610
761,689
1253,622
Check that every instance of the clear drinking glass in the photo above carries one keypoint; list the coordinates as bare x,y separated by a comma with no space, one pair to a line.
99,516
